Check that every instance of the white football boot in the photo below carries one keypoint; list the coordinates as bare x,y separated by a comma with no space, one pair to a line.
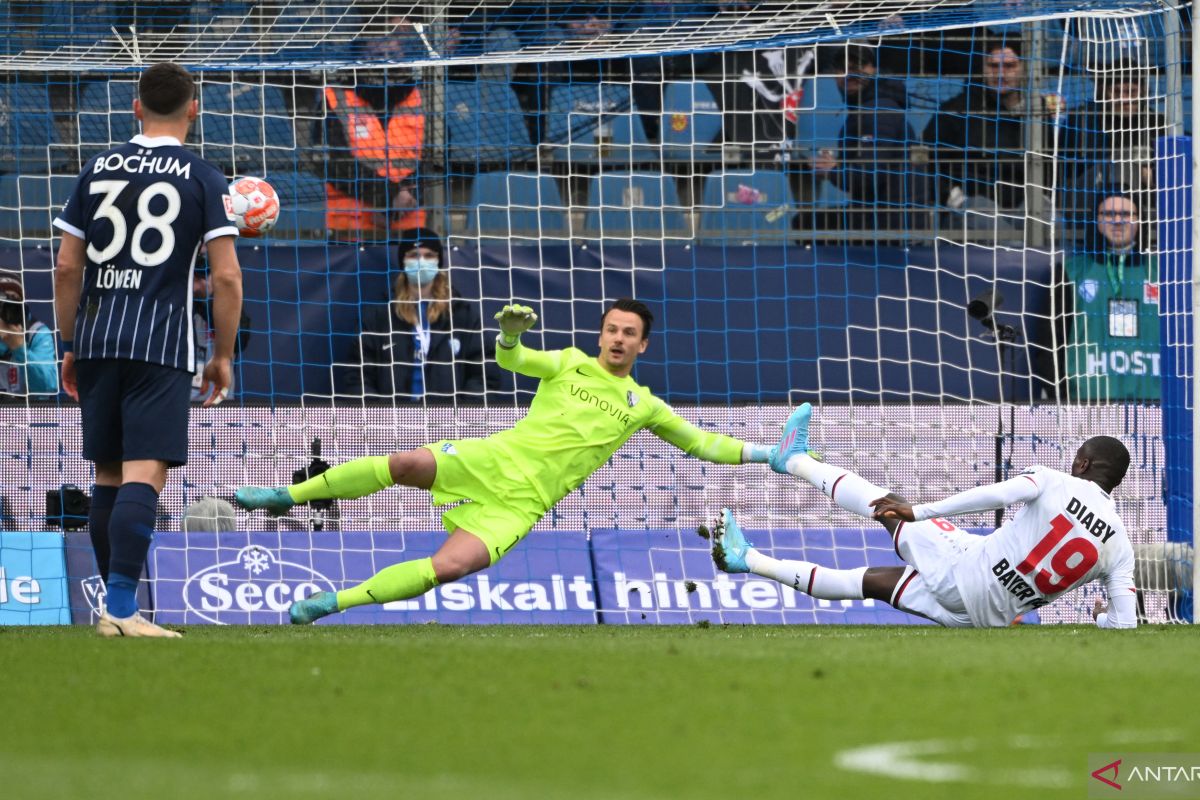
137,625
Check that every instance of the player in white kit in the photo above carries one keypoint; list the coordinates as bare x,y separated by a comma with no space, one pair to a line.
1067,534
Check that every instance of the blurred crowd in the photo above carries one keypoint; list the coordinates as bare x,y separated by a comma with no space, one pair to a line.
899,139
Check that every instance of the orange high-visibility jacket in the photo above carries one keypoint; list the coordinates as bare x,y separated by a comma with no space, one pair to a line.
391,152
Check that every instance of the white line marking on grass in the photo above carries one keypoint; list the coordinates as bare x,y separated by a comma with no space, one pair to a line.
898,760
911,761
1138,737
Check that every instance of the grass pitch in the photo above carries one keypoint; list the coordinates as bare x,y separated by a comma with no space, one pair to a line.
604,712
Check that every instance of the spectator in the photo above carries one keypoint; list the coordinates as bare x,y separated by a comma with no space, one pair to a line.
206,339
1112,288
577,27
374,128
1109,141
427,343
28,360
945,54
759,91
659,13
1097,43
978,144
473,35
586,22
872,165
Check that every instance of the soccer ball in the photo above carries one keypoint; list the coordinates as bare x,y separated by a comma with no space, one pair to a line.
254,206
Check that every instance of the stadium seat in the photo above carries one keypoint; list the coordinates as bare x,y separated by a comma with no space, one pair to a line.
582,116
821,115
622,205
485,124
106,116
214,127
301,204
924,97
516,204
278,131
10,208
753,207
246,128
27,129
691,120
29,203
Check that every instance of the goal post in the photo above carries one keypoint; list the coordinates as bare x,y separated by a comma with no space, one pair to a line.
801,193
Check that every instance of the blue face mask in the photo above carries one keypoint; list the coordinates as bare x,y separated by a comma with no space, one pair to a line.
421,271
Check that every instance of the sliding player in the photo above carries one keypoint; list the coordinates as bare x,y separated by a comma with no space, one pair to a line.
584,410
1067,534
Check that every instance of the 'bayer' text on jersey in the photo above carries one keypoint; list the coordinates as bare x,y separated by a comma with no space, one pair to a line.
143,209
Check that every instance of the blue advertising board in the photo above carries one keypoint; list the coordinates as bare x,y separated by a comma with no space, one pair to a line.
33,579
252,578
668,577
554,577
655,577
85,589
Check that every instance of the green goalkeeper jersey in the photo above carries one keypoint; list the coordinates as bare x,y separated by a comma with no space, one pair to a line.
582,414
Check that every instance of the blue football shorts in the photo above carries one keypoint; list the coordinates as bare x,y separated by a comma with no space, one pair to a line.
133,411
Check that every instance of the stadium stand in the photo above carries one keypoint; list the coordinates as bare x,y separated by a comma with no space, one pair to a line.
29,202
691,122
247,127
925,94
516,204
592,121
485,125
634,205
105,115
27,130
302,205
750,207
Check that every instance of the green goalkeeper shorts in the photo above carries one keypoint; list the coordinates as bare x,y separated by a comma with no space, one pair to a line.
502,504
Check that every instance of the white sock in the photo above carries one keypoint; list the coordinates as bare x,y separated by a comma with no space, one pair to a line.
845,488
820,582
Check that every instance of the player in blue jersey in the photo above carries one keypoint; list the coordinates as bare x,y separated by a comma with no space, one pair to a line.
132,228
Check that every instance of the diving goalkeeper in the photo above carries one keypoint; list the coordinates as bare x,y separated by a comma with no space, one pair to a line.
584,410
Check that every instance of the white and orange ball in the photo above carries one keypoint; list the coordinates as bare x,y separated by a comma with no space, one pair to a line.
254,205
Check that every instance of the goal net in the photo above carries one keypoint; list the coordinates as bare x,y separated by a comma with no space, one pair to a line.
942,223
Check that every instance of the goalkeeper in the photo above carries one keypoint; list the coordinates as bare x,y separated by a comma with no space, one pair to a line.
584,410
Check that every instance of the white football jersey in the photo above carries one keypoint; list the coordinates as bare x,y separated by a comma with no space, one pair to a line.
1067,534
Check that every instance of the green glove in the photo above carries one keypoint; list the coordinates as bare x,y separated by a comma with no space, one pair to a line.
514,320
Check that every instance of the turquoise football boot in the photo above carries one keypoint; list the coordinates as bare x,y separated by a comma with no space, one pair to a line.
729,545
311,609
275,502
794,440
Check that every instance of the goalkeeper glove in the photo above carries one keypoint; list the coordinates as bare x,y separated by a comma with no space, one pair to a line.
756,453
514,320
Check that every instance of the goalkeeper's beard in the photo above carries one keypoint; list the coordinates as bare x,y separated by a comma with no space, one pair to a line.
617,360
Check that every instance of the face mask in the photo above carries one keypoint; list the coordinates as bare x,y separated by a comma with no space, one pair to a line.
421,271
